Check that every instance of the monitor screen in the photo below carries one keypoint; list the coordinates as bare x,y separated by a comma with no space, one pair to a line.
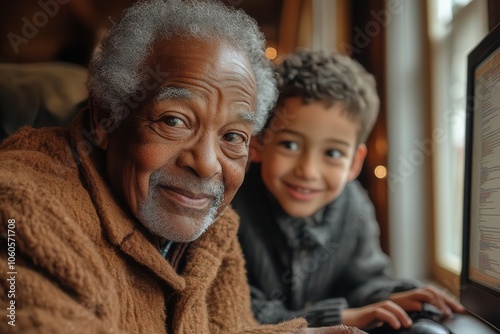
480,279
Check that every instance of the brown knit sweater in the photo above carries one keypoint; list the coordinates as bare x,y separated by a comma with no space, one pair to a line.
84,265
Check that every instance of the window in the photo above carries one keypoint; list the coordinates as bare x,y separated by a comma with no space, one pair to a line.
455,27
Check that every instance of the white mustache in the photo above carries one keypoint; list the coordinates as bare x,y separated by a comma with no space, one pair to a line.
207,187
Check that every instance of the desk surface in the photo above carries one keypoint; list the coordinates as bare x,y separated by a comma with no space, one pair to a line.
468,324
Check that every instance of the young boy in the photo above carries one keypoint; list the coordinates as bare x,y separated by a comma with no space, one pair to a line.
308,229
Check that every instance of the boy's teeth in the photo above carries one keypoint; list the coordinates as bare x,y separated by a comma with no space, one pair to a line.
304,191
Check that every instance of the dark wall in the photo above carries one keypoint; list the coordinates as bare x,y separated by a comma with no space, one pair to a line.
368,45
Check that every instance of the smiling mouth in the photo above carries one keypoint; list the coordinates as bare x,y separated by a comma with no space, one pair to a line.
301,189
187,198
300,193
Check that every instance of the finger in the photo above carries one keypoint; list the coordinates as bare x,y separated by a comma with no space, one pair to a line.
439,301
412,305
450,302
425,294
415,298
391,314
409,300
454,304
430,295
381,314
401,315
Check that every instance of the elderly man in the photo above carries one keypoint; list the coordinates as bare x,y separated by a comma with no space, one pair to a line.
120,222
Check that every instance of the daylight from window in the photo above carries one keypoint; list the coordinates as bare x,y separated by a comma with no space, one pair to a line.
456,27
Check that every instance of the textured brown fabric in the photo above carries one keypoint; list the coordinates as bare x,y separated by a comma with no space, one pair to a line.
85,265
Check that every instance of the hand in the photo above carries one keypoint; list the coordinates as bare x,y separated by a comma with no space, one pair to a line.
413,300
375,315
340,329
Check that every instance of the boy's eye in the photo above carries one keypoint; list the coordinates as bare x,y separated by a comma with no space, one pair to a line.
289,145
335,154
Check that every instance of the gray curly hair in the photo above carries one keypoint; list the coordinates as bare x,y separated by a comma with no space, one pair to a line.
114,70
331,78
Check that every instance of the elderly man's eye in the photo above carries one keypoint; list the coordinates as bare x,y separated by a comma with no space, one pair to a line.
174,121
234,138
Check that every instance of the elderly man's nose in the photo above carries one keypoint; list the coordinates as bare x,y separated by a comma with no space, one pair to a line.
201,159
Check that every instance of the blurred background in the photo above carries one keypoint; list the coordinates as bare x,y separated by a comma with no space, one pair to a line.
417,51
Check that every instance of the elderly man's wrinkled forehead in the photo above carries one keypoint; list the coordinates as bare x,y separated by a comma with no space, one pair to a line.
210,49
201,62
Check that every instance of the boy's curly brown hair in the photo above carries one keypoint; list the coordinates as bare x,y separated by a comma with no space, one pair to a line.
331,78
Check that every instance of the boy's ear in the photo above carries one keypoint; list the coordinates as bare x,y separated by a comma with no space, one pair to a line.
357,161
98,119
256,147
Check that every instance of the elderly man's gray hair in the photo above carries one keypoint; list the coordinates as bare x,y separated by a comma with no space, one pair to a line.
114,68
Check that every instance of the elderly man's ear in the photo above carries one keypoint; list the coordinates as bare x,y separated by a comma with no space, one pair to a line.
99,124
256,147
254,150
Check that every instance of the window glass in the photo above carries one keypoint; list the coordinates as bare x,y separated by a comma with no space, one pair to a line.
456,26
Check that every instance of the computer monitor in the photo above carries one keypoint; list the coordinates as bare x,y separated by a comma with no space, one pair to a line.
480,278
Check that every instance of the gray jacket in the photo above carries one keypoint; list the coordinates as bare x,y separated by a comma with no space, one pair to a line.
312,267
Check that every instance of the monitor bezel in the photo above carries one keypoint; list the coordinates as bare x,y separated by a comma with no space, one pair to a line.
480,300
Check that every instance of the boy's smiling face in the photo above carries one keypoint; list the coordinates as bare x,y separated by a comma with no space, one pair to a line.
309,155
